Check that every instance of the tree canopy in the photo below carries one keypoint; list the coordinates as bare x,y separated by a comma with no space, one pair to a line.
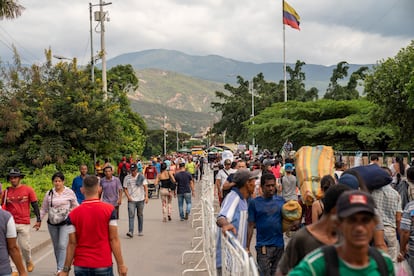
235,105
341,124
391,87
10,9
52,112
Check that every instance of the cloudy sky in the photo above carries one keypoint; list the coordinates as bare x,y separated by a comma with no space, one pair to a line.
356,31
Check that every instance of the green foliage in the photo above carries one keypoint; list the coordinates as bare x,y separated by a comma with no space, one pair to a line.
338,92
155,142
53,112
341,124
41,180
236,106
391,86
10,9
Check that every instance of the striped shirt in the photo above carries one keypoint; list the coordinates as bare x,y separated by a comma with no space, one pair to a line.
64,202
388,202
234,209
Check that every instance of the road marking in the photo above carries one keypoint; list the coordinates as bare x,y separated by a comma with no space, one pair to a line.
44,256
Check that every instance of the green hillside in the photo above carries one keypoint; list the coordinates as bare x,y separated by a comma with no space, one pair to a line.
184,100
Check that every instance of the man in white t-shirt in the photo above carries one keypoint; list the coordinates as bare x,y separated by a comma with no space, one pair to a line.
136,190
221,177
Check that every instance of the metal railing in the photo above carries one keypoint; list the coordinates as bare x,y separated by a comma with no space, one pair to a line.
235,261
204,247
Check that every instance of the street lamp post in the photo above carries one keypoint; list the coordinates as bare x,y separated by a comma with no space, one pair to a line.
62,57
252,116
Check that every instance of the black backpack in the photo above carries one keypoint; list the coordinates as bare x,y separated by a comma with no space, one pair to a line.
332,263
124,170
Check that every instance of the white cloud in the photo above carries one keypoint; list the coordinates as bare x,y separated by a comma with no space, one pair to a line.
331,31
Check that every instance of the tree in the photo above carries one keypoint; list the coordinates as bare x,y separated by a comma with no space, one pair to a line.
53,112
10,9
391,86
341,124
295,84
338,92
235,108
155,142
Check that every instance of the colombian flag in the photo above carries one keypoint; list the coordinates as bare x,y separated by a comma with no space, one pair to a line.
290,16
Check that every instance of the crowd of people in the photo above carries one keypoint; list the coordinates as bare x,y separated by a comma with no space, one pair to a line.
82,218
361,225
354,228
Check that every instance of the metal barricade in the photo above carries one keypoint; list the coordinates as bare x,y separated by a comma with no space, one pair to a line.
207,241
235,260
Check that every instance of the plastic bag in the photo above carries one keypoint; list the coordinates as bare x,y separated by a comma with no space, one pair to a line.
402,269
358,159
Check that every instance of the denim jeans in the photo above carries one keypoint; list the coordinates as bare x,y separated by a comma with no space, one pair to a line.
181,198
139,207
60,236
86,271
268,259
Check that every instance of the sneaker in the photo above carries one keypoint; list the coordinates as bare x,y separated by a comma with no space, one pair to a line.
181,219
129,234
30,266
140,234
169,218
57,272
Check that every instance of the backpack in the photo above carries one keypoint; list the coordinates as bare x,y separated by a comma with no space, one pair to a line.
402,188
331,258
124,170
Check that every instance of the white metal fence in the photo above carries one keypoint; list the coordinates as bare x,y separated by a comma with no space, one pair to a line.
235,258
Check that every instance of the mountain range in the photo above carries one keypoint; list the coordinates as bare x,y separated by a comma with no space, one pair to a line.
181,87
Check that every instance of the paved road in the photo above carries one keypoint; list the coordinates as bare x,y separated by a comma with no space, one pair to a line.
158,252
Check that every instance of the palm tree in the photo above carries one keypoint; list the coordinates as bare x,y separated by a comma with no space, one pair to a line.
10,9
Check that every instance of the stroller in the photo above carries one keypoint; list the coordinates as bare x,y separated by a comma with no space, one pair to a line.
153,189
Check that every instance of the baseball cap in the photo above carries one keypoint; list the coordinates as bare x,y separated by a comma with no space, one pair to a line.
352,202
243,175
288,167
133,166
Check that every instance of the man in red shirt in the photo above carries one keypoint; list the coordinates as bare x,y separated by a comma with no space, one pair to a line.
93,235
123,169
150,174
17,200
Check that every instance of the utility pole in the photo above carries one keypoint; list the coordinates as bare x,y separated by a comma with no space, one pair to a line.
177,140
102,20
92,58
165,135
101,17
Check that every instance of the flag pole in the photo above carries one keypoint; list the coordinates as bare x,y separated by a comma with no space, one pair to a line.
284,55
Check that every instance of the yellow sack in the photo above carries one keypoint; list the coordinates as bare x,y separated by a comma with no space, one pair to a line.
291,212
312,163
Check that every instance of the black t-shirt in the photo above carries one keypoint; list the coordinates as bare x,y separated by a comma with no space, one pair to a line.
302,243
183,180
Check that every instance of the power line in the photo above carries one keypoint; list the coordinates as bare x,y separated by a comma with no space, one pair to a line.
19,46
